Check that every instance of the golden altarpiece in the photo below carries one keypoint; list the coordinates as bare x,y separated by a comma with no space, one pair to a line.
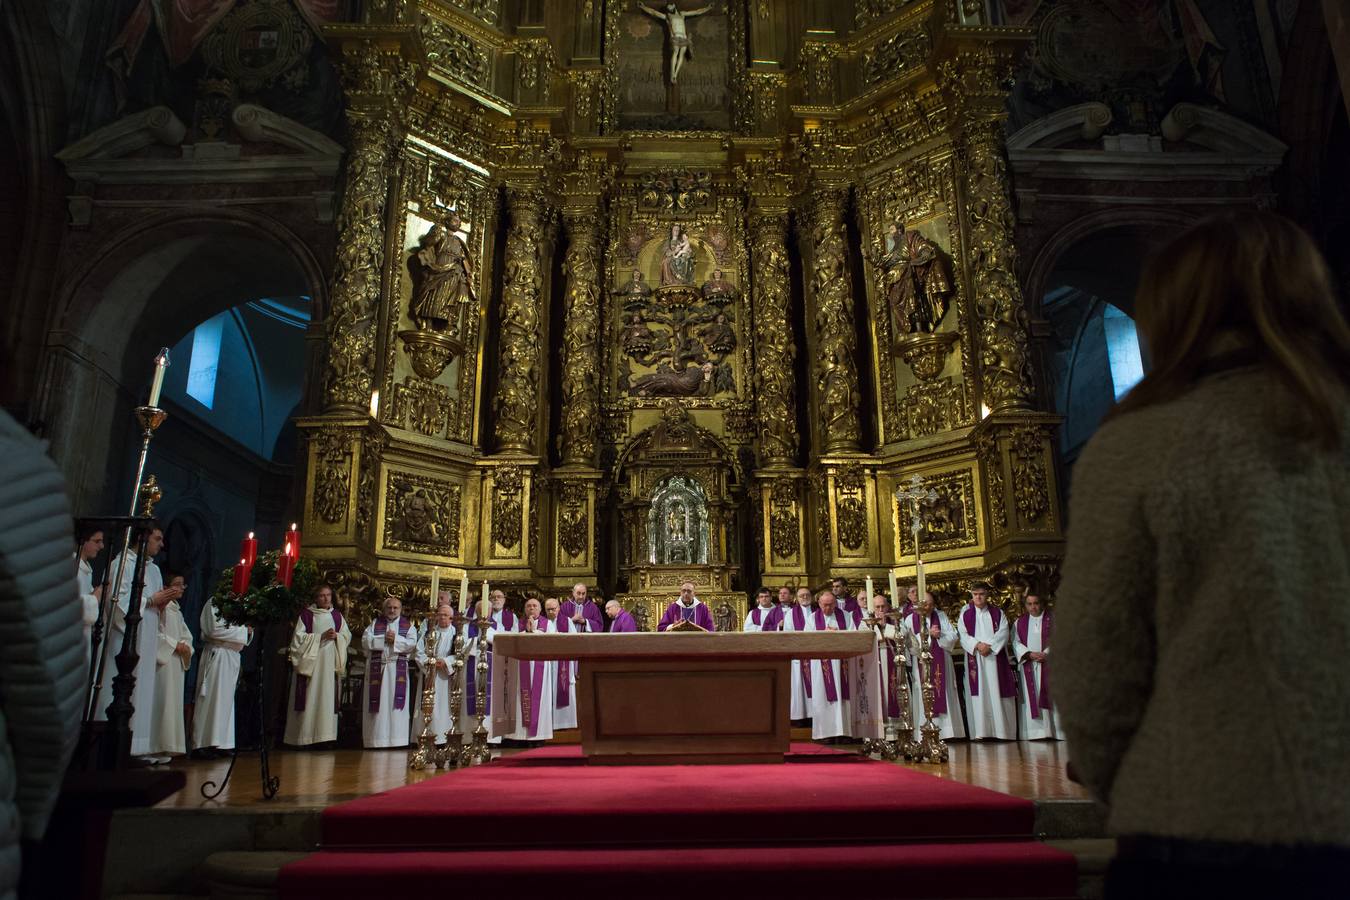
590,322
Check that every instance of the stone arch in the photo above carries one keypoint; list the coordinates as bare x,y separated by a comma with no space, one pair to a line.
144,288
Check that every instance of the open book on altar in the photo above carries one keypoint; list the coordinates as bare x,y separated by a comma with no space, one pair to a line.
685,625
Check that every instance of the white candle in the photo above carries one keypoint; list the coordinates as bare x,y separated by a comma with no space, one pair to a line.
464,594
484,604
867,592
157,385
435,588
895,590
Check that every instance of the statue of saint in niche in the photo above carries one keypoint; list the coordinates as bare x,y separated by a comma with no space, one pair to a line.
638,337
718,335
674,19
677,261
444,275
917,280
717,290
636,292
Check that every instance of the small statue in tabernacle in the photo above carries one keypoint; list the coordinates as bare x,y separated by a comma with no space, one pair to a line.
636,292
916,278
444,278
638,337
677,263
717,290
718,335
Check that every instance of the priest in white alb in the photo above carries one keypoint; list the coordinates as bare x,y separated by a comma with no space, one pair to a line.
502,619
173,657
886,638
759,613
565,696
522,706
988,685
154,596
933,629
89,544
439,662
1036,713
318,653
830,704
217,677
789,616
687,608
390,642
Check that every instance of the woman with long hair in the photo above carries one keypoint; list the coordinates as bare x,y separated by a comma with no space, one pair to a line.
1202,664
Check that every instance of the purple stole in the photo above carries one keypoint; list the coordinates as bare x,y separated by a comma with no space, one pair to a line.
1006,688
756,617
564,666
377,666
302,681
939,661
623,623
1042,701
531,689
827,665
892,702
799,624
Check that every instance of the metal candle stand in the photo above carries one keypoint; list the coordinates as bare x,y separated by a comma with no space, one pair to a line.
271,784
930,748
478,750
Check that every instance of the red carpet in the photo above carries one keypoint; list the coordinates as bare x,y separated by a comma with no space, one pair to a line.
822,822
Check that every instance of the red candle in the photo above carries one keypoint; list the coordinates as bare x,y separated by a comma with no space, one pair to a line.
293,540
248,549
285,566
241,576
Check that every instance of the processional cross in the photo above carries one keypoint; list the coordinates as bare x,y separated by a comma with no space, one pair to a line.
932,749
912,496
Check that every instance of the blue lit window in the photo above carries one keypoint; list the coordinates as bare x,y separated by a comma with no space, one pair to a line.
1122,348
205,361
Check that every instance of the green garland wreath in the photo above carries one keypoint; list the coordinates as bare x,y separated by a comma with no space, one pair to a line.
265,602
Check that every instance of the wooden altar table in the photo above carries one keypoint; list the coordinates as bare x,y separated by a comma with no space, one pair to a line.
684,697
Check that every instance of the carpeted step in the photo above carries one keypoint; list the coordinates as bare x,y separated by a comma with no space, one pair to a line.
515,805
930,870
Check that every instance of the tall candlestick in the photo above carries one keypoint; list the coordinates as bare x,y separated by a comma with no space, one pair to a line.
293,538
248,549
157,385
435,588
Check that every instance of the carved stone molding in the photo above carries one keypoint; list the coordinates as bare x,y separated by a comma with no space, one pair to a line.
421,515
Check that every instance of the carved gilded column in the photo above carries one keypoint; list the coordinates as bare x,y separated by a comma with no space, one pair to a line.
516,403
974,80
375,78
836,342
580,342
775,350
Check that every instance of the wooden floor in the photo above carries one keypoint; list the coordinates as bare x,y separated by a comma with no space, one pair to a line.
1034,770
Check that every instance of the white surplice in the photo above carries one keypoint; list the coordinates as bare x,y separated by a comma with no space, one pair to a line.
147,644
868,694
800,675
168,736
831,718
323,663
441,717
88,605
217,677
565,697
1046,724
389,725
989,714
750,624
950,722
523,687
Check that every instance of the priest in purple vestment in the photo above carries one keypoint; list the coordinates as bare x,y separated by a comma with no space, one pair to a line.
845,598
583,612
687,608
760,614
621,620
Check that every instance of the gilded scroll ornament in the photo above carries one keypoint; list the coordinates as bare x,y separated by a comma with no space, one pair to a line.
421,515
516,404
676,190
573,524
897,54
776,350
456,54
373,444
506,507
987,449
784,538
850,490
580,345
333,481
836,340
422,406
1031,485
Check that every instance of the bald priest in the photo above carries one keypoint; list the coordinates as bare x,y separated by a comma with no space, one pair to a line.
687,608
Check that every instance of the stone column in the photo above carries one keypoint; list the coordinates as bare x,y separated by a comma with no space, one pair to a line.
375,78
516,402
836,341
775,349
581,338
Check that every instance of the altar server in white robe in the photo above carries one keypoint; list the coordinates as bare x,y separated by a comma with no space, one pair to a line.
217,677
934,629
760,612
565,695
390,643
90,546
173,657
831,687
439,663
154,595
318,651
522,706
1037,716
503,619
988,685
886,632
